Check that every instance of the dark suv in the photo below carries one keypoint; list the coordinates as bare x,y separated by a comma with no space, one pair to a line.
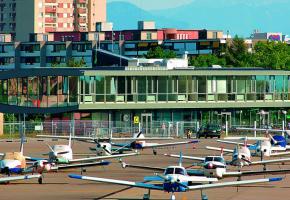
209,130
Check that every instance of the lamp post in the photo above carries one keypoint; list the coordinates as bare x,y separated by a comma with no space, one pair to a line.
112,39
285,119
241,112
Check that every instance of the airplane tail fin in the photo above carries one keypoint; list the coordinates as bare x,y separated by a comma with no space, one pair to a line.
180,159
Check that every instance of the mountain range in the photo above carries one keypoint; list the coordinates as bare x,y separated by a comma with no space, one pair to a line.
239,17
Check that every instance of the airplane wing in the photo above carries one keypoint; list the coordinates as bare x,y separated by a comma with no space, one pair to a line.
66,137
264,162
124,165
17,178
220,149
231,142
251,173
233,183
185,157
153,145
260,129
280,153
60,167
119,182
102,157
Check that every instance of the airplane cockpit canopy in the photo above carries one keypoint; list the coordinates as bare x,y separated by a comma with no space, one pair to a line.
214,158
175,170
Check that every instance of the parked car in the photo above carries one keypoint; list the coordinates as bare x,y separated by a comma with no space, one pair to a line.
209,130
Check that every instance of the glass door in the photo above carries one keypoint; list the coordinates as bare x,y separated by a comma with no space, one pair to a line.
146,122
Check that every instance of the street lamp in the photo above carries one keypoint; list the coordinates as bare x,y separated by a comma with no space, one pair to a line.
285,116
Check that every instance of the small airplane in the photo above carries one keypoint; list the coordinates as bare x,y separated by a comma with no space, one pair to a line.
216,166
59,159
15,163
138,142
241,156
63,154
265,146
174,179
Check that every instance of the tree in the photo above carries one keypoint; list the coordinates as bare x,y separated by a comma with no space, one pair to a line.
75,63
237,54
274,55
207,61
159,52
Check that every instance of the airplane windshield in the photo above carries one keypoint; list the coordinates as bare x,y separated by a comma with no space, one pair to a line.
169,171
179,171
207,159
219,159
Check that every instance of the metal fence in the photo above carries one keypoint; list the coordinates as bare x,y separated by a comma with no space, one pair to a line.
104,129
92,128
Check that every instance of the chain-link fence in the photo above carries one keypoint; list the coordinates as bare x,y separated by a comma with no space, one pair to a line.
105,129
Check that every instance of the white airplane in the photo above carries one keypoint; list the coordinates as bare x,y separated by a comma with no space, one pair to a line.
264,147
241,156
59,159
138,142
174,179
216,166
15,163
63,154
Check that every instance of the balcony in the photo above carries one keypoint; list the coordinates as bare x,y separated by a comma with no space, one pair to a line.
50,1
50,9
50,20
82,20
50,29
82,10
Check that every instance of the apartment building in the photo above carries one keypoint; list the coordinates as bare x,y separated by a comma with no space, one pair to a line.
44,16
8,16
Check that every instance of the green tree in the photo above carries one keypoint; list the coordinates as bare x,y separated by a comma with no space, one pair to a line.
207,61
237,54
274,55
75,63
9,117
159,52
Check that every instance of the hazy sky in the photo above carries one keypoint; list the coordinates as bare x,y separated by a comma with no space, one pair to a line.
156,4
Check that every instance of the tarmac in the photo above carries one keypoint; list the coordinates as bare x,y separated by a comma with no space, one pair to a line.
59,186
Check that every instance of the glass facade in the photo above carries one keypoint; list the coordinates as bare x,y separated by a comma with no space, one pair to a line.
39,91
59,91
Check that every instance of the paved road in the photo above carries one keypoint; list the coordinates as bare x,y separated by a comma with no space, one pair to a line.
59,186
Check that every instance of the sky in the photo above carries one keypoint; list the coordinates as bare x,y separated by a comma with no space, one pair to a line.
156,4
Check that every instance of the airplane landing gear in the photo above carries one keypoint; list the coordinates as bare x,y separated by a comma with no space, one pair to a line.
40,180
147,196
172,197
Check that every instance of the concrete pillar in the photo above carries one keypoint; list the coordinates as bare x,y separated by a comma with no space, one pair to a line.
1,123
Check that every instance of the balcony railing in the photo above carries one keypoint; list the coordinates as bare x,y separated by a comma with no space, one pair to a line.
82,10
50,9
50,20
50,29
50,1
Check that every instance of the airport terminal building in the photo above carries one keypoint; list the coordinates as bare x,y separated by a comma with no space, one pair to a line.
239,96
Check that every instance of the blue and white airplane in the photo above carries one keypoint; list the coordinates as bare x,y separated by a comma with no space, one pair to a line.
216,166
174,179
264,147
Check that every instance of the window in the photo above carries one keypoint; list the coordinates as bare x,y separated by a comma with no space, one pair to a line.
169,171
148,36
